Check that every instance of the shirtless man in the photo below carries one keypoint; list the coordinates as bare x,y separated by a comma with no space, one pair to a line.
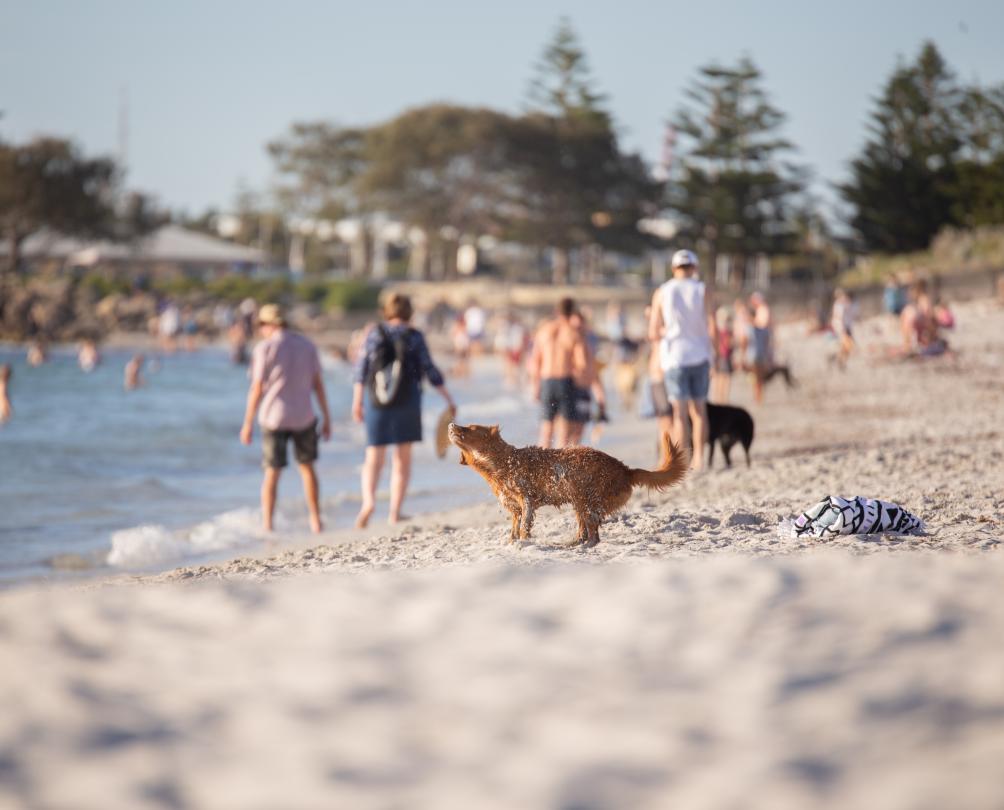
558,349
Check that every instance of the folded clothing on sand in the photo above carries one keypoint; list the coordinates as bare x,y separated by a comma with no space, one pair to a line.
856,515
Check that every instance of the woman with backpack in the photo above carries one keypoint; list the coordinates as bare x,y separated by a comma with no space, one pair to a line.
390,369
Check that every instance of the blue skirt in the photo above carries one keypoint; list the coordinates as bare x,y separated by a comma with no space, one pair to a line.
401,423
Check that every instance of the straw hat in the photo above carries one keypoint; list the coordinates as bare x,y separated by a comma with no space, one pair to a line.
271,314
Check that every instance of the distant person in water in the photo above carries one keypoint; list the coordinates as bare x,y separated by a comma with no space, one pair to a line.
398,422
88,357
134,373
169,327
38,353
285,371
5,408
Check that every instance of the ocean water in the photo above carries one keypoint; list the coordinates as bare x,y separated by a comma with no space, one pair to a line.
94,478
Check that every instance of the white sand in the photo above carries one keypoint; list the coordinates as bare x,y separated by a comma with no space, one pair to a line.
693,659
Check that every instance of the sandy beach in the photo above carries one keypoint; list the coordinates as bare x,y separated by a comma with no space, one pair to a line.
694,659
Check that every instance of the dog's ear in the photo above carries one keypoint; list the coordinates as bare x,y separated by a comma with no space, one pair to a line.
493,430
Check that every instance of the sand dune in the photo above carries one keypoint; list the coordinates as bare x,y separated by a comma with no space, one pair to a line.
693,659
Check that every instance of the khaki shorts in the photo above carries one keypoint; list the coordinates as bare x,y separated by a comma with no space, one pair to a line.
273,446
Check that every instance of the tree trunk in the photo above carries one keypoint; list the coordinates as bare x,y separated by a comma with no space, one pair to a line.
450,248
360,254
14,240
559,266
418,260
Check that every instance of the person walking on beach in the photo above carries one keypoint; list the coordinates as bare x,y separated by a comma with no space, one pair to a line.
285,371
761,343
721,377
397,422
842,323
683,322
558,348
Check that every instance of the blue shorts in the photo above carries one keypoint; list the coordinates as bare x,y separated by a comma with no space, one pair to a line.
688,382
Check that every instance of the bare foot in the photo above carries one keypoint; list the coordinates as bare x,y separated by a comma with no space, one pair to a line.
316,526
363,518
393,520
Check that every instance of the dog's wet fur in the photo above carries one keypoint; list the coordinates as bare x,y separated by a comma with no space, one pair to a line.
527,478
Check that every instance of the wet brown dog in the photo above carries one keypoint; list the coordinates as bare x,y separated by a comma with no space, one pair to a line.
526,478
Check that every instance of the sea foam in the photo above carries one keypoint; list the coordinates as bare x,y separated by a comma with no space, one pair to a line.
151,545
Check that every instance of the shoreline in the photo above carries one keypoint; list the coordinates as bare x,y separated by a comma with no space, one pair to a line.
692,659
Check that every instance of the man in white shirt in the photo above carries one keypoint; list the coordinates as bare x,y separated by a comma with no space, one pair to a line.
682,323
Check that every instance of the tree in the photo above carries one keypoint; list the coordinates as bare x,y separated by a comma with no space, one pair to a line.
979,173
442,168
731,190
319,164
47,183
901,186
577,187
563,84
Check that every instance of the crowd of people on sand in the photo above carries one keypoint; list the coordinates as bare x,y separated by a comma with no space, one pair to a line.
690,349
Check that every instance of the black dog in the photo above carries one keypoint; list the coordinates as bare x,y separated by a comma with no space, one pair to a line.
728,425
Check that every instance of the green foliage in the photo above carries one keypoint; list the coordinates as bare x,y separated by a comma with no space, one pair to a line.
178,286
731,189
953,250
48,183
234,287
935,158
319,164
440,165
555,176
100,285
563,84
351,296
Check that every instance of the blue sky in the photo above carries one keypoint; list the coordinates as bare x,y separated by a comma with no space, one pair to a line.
210,83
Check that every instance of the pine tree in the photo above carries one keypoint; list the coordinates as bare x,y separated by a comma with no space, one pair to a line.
563,84
903,182
731,189
577,188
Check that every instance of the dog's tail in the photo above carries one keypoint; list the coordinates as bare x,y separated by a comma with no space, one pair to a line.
674,467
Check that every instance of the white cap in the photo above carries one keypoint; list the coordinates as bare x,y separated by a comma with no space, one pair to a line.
684,257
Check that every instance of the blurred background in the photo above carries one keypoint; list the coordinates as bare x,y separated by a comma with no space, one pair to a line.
331,142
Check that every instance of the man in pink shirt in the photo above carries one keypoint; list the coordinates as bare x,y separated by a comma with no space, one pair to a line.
285,370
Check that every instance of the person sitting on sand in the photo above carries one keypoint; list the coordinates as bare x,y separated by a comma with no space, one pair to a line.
5,408
285,371
398,423
134,373
919,325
